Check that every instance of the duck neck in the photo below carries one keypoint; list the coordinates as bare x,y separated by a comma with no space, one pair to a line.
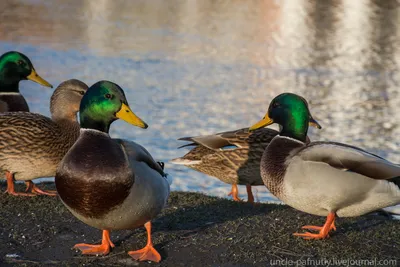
9,82
62,109
295,128
99,124
59,116
70,128
8,87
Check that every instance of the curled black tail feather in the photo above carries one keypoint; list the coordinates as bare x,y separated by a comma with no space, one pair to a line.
162,164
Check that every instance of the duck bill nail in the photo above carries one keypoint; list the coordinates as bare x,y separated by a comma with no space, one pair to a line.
126,114
36,78
314,123
262,123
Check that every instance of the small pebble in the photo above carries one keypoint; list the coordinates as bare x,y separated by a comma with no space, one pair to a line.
12,256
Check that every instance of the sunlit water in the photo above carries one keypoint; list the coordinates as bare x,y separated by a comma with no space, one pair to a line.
201,67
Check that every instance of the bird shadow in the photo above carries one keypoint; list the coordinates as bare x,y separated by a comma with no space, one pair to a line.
192,217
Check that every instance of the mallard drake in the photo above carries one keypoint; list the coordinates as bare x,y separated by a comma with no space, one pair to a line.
322,178
31,145
107,183
232,157
14,67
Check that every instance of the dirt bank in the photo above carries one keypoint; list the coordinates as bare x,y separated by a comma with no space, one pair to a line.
194,230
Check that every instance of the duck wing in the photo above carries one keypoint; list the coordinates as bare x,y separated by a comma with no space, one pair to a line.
350,158
241,138
137,152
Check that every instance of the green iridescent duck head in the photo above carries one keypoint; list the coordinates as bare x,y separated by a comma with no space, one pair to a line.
103,103
14,67
291,112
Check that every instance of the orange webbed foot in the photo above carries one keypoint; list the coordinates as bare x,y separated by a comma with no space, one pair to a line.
235,198
102,249
235,193
318,228
11,189
89,249
148,253
323,230
30,186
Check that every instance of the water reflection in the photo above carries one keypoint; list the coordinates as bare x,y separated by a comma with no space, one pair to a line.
198,67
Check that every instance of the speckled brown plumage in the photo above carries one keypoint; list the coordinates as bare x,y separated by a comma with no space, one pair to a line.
31,145
240,165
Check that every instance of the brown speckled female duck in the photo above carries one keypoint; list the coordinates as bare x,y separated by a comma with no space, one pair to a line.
32,145
15,67
110,183
232,157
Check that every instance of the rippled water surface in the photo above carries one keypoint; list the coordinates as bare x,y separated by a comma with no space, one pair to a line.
200,67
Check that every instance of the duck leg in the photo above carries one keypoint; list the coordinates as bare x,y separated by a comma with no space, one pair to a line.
323,230
235,193
102,249
148,253
10,186
250,197
31,187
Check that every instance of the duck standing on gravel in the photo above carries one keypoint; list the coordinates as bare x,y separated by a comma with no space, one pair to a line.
32,145
107,183
232,157
322,178
15,67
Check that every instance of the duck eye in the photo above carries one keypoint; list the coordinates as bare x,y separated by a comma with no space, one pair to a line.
81,92
21,63
275,105
108,96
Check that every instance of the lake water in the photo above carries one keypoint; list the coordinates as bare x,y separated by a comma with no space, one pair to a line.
201,67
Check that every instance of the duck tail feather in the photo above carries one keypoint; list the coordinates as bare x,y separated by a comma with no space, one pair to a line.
191,144
182,161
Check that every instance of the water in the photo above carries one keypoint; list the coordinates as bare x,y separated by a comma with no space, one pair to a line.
200,67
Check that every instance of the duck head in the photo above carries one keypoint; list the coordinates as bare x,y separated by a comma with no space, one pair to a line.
103,103
291,112
15,67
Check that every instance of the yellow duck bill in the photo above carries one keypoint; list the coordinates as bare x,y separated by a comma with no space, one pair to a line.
36,78
262,123
126,114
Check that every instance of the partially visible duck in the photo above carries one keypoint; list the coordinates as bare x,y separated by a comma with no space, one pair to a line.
15,67
232,157
32,145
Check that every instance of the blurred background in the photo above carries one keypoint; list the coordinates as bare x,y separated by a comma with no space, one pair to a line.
201,67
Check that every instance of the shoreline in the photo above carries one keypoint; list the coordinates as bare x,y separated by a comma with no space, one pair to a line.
194,230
